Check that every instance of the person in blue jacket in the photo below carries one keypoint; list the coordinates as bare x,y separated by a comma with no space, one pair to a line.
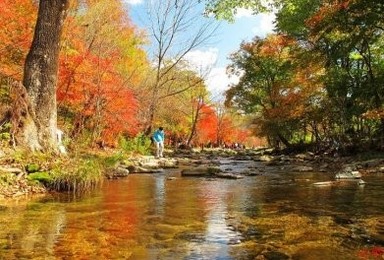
158,138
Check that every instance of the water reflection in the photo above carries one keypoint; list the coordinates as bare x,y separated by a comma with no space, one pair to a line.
159,195
274,215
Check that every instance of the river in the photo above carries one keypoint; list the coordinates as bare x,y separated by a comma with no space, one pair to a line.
273,215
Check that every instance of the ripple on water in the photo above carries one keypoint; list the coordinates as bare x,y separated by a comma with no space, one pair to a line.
271,216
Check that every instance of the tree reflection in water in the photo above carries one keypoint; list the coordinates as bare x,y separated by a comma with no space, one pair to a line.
276,214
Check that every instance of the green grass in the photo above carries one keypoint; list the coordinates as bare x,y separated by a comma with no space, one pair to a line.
77,176
42,177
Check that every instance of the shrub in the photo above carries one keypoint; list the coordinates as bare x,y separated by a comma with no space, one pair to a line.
139,144
82,175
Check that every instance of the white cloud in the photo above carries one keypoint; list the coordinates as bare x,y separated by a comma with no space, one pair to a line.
218,81
200,60
264,24
203,62
133,2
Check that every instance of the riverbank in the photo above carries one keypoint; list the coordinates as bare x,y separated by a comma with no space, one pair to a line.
22,175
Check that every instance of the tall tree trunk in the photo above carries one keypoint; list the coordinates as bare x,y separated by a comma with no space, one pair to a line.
39,126
194,122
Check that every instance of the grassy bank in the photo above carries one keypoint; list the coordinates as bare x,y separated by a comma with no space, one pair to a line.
24,173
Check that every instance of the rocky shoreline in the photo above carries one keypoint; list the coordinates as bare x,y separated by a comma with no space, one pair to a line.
14,182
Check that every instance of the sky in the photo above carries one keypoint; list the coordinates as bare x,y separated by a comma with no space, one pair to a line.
227,40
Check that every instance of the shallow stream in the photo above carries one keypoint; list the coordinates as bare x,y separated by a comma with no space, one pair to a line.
273,215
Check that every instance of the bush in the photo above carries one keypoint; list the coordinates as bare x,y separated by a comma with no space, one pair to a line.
82,175
140,144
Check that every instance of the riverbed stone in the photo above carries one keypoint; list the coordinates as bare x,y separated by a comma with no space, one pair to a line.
200,171
324,183
348,173
266,158
140,169
226,175
303,168
118,172
149,163
275,255
311,253
168,163
304,156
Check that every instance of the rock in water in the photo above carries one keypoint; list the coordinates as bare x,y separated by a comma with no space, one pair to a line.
348,173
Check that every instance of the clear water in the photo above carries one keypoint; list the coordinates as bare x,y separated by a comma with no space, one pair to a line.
275,215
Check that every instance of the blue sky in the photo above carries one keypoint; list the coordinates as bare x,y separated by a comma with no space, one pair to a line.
228,39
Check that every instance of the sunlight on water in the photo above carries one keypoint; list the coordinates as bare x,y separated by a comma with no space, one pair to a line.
275,215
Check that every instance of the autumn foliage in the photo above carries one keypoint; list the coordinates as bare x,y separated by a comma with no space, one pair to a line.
100,63
103,89
207,126
17,21
318,79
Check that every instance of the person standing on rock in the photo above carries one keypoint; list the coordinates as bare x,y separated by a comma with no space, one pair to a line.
158,138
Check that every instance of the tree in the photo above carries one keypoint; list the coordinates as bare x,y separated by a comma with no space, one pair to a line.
345,38
36,124
179,113
101,63
207,126
349,34
226,9
177,28
274,86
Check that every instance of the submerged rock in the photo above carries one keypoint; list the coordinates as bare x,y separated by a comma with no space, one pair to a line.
348,173
275,255
228,175
339,183
200,171
303,168
324,183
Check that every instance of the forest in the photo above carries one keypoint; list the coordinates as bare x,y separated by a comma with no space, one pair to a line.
319,79
106,87
83,68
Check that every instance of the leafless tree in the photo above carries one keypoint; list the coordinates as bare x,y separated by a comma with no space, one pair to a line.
176,27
